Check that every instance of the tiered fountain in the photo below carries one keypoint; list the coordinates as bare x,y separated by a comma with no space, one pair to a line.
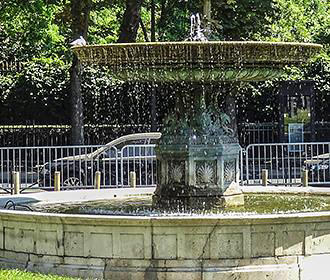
198,164
198,154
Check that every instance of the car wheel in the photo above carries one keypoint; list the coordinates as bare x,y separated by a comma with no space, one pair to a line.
71,181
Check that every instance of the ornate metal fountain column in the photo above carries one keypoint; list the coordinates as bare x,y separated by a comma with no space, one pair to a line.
198,158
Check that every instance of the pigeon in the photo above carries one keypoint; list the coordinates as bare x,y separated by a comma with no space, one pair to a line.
79,42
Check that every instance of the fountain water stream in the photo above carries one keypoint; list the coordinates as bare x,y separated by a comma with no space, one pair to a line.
196,31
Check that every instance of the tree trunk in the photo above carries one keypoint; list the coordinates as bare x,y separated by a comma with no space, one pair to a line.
77,110
80,12
144,30
130,23
207,8
153,21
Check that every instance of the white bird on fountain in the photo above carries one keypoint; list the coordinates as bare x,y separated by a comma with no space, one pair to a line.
79,42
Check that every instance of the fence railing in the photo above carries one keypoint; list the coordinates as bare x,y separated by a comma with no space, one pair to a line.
252,133
285,163
77,166
60,135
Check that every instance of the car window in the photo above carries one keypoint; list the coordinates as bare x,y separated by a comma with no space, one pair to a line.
110,153
135,151
130,151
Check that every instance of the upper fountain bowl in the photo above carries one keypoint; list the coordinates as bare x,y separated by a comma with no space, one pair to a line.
206,61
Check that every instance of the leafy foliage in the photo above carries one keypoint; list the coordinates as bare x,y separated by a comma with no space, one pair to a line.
104,25
241,20
39,95
38,32
319,72
28,30
302,21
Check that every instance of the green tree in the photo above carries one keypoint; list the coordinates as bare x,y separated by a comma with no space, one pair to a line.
80,10
28,30
300,20
230,19
130,23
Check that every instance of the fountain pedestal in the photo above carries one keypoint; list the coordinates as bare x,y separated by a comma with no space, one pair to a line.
197,156
198,160
198,175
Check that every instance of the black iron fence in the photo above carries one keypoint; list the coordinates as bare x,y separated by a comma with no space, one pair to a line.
254,133
10,66
59,135
263,133
322,131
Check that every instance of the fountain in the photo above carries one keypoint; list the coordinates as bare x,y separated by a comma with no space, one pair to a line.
198,155
197,167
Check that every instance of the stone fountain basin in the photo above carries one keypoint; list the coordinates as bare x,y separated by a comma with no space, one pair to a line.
198,61
276,246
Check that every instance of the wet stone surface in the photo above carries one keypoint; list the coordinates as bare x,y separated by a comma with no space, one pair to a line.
142,206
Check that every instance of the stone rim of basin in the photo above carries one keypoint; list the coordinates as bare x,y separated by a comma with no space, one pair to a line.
195,61
77,197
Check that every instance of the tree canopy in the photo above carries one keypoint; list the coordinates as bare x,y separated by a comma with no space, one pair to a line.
41,29
38,33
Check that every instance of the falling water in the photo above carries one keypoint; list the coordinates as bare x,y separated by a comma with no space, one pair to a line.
196,31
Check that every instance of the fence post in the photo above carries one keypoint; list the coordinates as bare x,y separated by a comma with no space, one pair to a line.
97,181
16,182
264,177
57,181
241,166
304,178
132,179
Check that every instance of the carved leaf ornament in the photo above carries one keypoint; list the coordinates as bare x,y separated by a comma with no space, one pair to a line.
205,174
176,173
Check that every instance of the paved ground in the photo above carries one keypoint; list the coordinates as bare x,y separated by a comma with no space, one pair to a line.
73,196
287,190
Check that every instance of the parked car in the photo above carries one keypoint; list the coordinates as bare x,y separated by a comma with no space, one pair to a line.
134,152
319,170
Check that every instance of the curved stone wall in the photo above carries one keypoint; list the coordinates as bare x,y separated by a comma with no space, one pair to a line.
294,246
